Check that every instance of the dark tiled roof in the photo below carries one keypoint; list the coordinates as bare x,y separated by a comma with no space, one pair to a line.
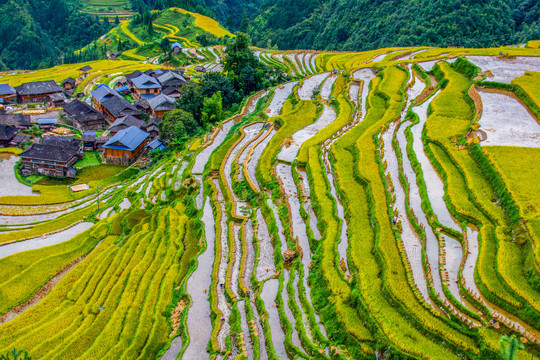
6,89
61,141
20,138
118,106
133,75
69,80
15,119
7,132
171,78
128,139
162,102
125,122
58,97
38,88
53,148
88,136
86,68
82,112
169,90
142,103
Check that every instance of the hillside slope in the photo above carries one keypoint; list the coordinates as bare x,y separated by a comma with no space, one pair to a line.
364,25
33,31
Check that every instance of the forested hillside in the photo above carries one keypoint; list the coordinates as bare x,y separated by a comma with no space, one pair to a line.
366,24
34,32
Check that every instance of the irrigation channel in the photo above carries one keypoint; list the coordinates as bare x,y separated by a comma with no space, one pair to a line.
258,258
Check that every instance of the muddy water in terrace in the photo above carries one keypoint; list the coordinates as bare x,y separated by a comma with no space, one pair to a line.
268,295
410,240
432,244
507,122
198,319
41,242
265,266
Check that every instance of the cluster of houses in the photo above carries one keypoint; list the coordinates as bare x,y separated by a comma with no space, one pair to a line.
128,129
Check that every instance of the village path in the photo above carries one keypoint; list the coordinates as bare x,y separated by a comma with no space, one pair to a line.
10,185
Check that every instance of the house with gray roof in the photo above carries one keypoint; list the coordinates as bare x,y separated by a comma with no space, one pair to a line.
161,104
20,121
116,107
7,134
37,91
124,122
84,117
54,156
7,94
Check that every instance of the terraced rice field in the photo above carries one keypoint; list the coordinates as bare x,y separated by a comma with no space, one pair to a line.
386,213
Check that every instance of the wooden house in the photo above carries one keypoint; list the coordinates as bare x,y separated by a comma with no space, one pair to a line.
124,147
145,87
7,94
69,84
112,104
54,156
37,91
123,123
152,127
84,117
101,94
117,107
162,104
176,48
7,134
85,71
89,140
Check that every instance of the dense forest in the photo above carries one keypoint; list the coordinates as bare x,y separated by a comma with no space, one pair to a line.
370,24
35,33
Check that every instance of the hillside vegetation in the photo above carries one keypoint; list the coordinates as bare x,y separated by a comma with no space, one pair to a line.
35,33
364,25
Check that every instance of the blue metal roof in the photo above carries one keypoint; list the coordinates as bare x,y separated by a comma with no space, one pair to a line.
145,82
122,88
47,121
155,144
128,139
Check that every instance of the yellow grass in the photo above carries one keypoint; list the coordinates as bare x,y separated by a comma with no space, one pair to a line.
100,68
124,27
207,24
530,83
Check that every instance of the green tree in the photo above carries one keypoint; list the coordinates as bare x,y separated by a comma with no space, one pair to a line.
173,127
116,20
15,355
191,99
244,25
213,82
239,55
509,346
165,45
212,109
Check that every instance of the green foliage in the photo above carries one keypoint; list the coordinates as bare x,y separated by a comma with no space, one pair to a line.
35,33
212,108
15,355
364,25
